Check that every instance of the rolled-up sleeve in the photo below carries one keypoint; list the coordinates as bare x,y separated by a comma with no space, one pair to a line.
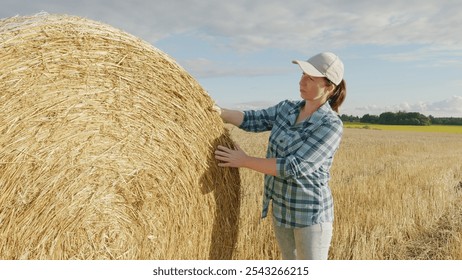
259,120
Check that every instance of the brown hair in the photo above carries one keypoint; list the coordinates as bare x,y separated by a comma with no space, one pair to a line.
338,96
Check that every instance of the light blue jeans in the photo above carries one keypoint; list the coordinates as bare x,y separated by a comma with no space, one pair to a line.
308,243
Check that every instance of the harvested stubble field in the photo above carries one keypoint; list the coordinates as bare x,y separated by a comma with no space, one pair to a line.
397,196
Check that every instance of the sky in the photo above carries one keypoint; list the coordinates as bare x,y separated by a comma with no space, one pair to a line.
398,55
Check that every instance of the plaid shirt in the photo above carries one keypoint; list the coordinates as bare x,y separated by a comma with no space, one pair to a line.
304,152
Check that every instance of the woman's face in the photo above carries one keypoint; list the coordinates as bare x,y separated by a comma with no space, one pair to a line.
313,88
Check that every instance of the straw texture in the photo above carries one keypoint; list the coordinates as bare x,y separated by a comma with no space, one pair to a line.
106,149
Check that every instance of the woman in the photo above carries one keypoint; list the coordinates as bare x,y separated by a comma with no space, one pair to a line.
304,137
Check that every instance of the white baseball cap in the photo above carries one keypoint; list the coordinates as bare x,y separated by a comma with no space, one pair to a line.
324,64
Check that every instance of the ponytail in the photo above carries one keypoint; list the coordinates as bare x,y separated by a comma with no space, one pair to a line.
338,96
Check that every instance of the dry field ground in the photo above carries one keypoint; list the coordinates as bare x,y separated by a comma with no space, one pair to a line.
397,196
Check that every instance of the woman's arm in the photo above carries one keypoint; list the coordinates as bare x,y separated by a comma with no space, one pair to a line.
232,116
320,147
238,158
250,120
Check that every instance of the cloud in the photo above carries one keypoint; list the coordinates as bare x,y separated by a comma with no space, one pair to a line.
434,56
451,107
454,104
242,26
253,25
206,68
301,26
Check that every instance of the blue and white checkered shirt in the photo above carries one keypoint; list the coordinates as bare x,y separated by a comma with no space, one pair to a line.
300,193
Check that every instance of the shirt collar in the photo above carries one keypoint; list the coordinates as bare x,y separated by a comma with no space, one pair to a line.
317,115
320,113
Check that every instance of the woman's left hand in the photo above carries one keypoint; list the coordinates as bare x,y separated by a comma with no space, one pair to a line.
230,157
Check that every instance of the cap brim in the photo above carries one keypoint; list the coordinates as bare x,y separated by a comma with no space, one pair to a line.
308,68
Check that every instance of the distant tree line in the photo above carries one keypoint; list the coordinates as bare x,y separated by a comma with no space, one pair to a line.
402,118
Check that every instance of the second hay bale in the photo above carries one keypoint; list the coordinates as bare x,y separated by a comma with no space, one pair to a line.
106,149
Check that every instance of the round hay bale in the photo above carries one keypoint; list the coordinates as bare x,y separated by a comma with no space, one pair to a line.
106,149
